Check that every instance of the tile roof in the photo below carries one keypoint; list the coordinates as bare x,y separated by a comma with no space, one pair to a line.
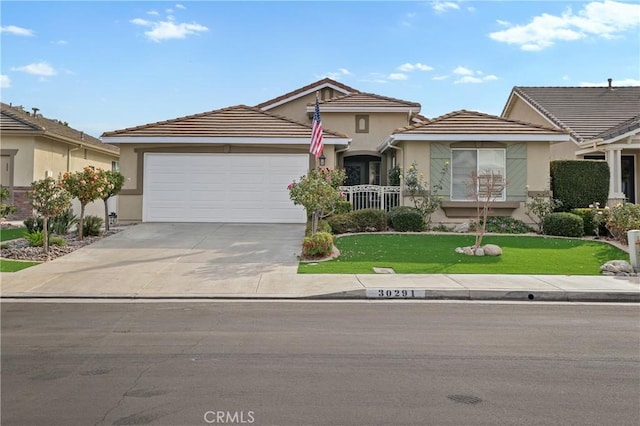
236,121
472,122
14,119
361,101
305,89
585,111
626,126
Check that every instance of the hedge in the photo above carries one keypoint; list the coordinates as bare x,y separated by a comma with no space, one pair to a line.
563,225
579,183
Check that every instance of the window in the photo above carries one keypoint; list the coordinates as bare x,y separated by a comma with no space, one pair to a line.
362,124
466,163
115,166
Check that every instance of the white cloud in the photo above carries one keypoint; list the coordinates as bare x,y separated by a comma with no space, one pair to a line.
336,75
618,83
39,68
375,77
444,6
606,19
565,78
166,30
469,76
153,13
408,67
5,81
462,71
60,42
397,76
180,6
503,23
12,29
440,77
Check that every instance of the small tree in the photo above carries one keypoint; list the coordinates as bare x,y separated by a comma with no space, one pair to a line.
115,182
5,208
49,198
318,192
425,198
86,185
484,188
540,206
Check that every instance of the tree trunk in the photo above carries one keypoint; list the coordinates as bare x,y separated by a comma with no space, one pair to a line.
81,223
45,234
106,214
314,222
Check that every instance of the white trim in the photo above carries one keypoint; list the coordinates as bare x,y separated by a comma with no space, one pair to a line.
480,137
301,94
555,125
354,108
600,141
220,140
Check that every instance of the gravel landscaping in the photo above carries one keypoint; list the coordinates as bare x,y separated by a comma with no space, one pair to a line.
19,249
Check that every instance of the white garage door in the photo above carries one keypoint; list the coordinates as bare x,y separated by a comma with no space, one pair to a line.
249,188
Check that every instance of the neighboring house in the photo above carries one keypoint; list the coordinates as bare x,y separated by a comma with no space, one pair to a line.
466,142
603,123
33,147
227,165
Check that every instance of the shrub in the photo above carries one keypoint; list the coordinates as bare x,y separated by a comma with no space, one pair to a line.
506,225
369,220
394,176
541,205
5,208
35,224
323,226
92,226
343,206
578,183
623,218
342,223
36,239
563,225
588,217
317,245
406,219
61,224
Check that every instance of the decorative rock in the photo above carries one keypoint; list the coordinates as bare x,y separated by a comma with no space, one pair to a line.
459,250
468,251
479,251
492,250
462,227
618,268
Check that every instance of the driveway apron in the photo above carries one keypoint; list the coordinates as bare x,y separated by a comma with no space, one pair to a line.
169,259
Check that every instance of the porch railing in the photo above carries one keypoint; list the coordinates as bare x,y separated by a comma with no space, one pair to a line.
372,196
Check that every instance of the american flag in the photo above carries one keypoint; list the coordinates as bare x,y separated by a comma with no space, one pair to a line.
316,133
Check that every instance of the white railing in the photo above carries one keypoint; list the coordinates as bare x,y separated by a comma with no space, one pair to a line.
372,196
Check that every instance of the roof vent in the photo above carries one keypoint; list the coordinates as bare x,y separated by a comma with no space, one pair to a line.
35,111
610,80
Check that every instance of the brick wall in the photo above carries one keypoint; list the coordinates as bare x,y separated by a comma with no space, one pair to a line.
22,204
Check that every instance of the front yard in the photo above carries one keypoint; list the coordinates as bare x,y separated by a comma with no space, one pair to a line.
434,254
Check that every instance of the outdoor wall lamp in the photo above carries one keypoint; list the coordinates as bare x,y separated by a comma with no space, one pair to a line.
322,159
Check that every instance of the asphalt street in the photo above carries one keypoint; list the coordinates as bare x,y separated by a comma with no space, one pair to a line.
320,363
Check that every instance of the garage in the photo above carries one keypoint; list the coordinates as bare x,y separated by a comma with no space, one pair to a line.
208,187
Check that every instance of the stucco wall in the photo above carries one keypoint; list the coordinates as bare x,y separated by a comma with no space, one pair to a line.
381,125
23,160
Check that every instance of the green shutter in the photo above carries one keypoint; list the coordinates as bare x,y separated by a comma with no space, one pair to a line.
440,156
517,172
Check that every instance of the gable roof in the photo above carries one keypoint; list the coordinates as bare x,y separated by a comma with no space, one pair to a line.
466,125
305,90
16,120
585,111
236,124
365,102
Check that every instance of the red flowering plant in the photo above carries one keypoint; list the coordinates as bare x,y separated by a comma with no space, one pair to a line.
49,198
318,192
115,182
87,185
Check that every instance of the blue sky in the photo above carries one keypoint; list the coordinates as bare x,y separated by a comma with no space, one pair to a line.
108,65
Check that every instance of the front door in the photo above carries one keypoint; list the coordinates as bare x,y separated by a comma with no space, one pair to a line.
629,177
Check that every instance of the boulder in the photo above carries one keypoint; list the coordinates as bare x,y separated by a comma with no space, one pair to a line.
479,251
468,251
617,267
492,250
459,250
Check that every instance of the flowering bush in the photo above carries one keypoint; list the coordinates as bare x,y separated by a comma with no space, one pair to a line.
49,198
317,245
87,185
5,209
540,206
623,218
506,225
318,192
425,198
115,182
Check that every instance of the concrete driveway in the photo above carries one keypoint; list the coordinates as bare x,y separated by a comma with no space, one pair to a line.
157,259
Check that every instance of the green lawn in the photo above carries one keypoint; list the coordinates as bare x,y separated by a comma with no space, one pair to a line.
14,265
12,233
434,254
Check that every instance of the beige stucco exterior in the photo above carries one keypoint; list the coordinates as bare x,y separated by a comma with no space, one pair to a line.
37,157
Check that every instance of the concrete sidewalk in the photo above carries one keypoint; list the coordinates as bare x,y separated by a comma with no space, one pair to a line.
209,261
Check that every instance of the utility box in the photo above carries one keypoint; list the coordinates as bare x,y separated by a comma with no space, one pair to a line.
634,248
